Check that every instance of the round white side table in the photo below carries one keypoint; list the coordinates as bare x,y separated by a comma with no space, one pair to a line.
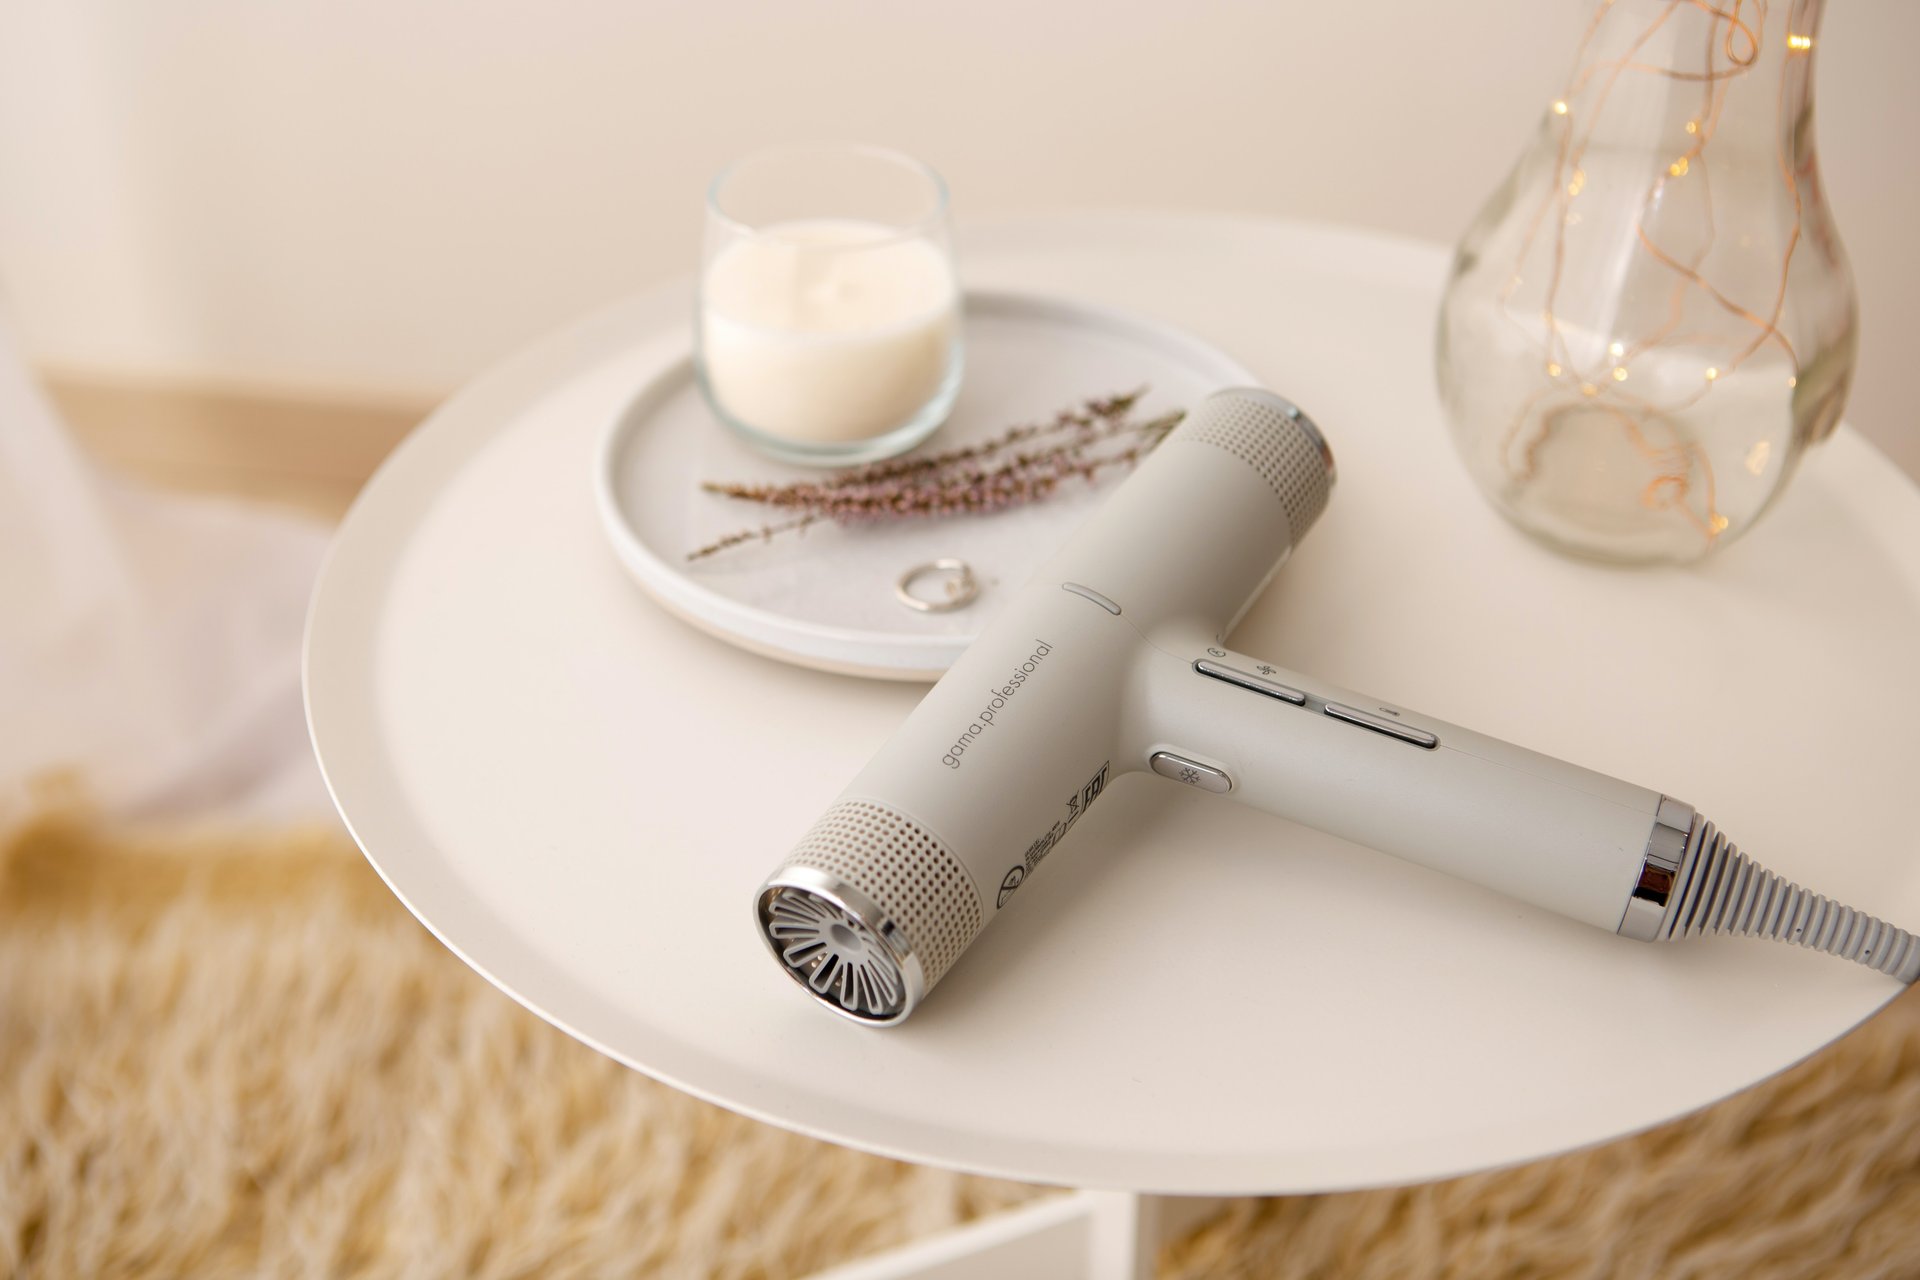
578,794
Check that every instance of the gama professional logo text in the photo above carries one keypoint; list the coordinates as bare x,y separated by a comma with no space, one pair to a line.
997,700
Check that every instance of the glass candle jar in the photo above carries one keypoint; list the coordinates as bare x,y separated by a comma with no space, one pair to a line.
1653,317
828,325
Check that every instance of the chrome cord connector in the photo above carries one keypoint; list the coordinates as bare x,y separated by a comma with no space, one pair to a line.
1713,888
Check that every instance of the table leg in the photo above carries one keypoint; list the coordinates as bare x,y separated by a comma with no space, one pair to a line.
1084,1235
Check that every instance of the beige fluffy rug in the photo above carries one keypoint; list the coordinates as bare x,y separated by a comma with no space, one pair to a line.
231,1056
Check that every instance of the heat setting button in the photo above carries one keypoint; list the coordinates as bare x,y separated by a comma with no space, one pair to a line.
1191,772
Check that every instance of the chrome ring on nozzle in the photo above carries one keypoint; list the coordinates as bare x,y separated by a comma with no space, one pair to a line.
837,943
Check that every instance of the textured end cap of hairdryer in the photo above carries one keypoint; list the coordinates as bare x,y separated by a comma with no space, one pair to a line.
907,876
1269,433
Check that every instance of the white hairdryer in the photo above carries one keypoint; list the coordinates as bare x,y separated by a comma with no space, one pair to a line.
1112,660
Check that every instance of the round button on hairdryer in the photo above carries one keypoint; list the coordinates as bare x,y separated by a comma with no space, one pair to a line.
1112,660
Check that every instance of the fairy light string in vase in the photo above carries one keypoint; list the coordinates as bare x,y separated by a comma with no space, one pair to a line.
1647,295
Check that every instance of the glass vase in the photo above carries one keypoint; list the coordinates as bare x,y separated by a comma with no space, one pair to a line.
1652,318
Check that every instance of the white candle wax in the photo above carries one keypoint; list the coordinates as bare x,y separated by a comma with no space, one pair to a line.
827,331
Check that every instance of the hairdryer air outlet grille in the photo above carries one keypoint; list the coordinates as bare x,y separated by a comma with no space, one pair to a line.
869,904
1273,437
833,952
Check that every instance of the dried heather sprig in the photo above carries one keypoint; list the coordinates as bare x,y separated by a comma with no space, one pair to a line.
1021,465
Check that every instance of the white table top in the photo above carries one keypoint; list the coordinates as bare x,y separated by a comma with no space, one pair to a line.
579,794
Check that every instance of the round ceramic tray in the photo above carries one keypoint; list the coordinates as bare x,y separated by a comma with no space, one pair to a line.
824,597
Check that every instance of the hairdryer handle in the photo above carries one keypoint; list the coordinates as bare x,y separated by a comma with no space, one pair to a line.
1530,826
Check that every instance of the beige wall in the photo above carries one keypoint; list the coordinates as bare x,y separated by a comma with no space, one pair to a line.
384,195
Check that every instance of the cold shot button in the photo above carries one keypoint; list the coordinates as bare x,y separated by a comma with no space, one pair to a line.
1191,772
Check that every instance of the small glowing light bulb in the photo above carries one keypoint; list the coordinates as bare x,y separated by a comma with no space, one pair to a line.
1712,373
1693,126
1619,373
1799,42
1579,181
1678,168
1718,524
1553,370
1588,389
1793,382
1616,349
1560,108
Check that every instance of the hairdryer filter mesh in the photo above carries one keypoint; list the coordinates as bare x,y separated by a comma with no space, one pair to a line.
1284,449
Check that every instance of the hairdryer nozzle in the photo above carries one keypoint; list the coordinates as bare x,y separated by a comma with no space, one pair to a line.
868,912
827,945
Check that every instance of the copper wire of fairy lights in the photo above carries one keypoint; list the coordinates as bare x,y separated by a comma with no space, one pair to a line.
1736,31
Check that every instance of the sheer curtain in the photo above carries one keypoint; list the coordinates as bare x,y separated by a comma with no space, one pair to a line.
149,643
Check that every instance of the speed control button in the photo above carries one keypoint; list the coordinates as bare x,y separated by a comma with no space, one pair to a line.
1191,772
1248,680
